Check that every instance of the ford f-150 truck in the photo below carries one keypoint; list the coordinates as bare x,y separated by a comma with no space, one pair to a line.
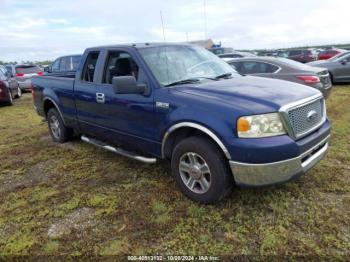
182,103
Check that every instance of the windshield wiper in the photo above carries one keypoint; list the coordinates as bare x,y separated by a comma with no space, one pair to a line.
184,81
226,75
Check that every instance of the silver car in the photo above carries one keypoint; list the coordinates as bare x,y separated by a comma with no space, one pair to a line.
24,73
285,69
338,67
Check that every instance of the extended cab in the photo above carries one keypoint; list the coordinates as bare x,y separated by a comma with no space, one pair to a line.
182,103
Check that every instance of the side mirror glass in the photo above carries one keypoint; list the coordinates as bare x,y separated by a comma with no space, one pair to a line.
128,85
47,69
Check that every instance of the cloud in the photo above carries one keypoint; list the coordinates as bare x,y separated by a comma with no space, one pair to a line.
33,30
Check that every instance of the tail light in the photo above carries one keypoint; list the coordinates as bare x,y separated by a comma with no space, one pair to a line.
40,73
19,74
309,79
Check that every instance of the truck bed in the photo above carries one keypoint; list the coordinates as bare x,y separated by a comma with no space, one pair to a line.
59,88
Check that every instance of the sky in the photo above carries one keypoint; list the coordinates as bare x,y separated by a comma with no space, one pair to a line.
39,30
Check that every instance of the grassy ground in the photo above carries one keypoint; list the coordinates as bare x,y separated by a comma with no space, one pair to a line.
74,199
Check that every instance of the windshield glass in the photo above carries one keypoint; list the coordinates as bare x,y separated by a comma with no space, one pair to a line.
338,56
171,64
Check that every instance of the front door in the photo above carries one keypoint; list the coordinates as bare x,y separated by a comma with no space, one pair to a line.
127,119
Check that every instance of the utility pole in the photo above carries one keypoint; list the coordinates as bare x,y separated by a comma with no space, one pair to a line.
205,19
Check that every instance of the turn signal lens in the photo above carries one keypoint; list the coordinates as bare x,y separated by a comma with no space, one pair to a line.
243,125
260,126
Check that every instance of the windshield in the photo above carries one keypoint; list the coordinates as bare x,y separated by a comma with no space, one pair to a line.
170,64
338,56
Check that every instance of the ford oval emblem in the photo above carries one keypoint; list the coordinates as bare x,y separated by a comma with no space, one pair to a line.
311,115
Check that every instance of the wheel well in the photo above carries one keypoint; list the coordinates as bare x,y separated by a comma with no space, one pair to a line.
179,134
48,104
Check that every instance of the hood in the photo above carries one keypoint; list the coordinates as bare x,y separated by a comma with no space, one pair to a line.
251,94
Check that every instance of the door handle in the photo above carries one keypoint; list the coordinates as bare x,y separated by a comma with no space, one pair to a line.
100,98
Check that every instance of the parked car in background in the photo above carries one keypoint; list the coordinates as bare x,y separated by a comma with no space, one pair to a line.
64,65
183,104
285,69
221,50
11,69
302,55
235,54
267,53
23,74
329,53
9,89
338,67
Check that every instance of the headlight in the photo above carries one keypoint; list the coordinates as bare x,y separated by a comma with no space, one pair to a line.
260,126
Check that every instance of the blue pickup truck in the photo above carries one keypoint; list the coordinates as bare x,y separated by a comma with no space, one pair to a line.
182,103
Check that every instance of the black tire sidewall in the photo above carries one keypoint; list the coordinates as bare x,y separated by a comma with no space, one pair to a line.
10,100
221,178
63,134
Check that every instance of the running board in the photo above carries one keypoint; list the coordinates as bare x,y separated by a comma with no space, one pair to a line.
118,150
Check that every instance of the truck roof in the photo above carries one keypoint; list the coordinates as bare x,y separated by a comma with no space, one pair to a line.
140,45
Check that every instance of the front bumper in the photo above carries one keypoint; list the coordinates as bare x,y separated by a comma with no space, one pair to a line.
247,174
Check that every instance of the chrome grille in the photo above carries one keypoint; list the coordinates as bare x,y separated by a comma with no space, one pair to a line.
303,119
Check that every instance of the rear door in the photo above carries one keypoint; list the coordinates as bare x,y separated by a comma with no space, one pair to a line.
85,90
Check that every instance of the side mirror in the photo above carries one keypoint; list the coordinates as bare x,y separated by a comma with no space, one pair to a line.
344,62
128,85
47,69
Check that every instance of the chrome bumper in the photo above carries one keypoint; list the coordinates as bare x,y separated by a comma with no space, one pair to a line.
246,174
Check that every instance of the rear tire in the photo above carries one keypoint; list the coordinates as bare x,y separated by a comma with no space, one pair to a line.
201,170
58,131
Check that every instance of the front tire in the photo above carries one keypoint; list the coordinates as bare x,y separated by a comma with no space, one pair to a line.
200,170
58,131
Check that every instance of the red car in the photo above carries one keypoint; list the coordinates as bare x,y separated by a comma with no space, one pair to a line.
9,89
324,55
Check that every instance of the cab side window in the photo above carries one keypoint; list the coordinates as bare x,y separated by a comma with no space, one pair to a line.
252,67
119,64
56,66
90,66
